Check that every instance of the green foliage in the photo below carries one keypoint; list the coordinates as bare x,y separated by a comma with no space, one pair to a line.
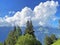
18,32
27,40
13,36
57,42
48,40
11,40
53,38
29,28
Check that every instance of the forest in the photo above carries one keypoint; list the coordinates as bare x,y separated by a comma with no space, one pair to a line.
15,37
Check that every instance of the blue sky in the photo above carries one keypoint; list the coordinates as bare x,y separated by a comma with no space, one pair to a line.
12,6
17,5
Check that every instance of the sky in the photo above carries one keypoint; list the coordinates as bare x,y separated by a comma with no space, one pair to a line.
41,12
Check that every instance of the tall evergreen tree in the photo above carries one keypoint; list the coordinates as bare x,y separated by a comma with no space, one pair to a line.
29,28
18,32
4,43
13,36
47,40
53,38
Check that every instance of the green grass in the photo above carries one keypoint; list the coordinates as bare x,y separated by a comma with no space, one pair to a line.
57,42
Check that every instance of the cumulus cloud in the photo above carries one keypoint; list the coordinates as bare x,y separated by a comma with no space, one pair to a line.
45,11
42,14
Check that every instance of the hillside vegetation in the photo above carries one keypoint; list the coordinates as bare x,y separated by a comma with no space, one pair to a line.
15,37
57,42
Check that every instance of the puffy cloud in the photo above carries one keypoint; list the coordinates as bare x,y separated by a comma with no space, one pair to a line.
45,11
42,14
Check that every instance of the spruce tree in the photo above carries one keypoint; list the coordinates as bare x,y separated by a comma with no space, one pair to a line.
47,40
13,36
18,32
53,38
29,28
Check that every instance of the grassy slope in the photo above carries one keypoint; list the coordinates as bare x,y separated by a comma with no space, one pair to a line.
57,42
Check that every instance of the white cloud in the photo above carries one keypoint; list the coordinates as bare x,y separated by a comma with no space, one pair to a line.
41,15
11,12
45,11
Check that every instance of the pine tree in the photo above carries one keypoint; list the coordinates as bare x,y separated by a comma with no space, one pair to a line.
13,36
4,43
29,28
18,32
47,40
53,38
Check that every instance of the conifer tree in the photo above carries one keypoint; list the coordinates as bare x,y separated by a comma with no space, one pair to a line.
13,36
53,38
47,40
29,28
